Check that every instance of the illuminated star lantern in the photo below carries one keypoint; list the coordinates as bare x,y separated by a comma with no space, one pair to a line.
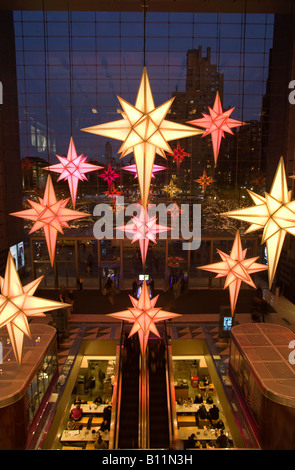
171,189
26,164
113,192
179,154
217,123
144,228
73,169
17,302
275,214
109,175
174,212
204,181
259,181
236,268
51,215
144,316
132,169
145,132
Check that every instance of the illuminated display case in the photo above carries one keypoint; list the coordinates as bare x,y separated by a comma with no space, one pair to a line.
23,389
260,369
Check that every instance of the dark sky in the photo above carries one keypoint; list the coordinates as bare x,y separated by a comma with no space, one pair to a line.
72,64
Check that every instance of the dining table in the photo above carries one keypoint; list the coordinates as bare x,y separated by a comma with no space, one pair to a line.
92,408
83,435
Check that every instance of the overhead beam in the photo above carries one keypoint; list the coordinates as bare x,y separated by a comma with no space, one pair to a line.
201,6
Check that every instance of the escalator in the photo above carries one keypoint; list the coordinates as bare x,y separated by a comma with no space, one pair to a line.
143,415
129,407
159,428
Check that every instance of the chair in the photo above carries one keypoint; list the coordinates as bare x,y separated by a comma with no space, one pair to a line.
203,422
90,446
96,420
215,421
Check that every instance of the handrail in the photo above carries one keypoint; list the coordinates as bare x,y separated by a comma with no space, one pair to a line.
143,421
171,402
116,398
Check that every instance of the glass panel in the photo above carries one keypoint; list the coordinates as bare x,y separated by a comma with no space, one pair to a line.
46,270
200,257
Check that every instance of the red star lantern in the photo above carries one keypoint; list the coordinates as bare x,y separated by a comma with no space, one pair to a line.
110,176
179,154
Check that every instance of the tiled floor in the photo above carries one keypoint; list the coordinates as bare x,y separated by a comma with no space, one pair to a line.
191,326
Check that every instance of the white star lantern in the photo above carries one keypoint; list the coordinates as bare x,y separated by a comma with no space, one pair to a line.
17,302
145,132
144,315
275,214
236,268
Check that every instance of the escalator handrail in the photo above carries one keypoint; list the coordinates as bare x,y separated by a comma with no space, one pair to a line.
116,399
171,402
143,419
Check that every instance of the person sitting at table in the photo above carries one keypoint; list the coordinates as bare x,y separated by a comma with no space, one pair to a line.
107,413
98,401
191,441
201,414
205,381
99,443
222,440
71,425
213,413
78,400
198,398
77,412
209,400
105,425
220,424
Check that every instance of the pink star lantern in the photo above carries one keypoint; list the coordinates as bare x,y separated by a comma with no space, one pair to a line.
109,175
144,316
17,302
51,215
217,123
179,154
133,169
236,268
144,228
73,169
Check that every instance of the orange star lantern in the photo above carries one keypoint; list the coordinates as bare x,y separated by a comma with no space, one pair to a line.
236,268
17,302
51,215
145,132
204,181
217,123
144,315
73,169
